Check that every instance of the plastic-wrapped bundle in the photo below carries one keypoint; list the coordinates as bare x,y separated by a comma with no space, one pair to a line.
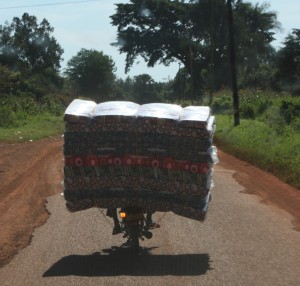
195,117
193,207
98,142
117,110
158,117
159,112
115,115
161,151
79,111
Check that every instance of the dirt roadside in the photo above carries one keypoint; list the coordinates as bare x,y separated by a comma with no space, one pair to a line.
31,172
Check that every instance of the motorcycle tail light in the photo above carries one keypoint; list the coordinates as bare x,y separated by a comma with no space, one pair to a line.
122,214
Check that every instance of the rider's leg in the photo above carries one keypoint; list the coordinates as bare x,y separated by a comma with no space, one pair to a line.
149,221
113,213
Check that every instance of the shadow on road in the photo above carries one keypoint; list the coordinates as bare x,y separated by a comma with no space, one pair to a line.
119,261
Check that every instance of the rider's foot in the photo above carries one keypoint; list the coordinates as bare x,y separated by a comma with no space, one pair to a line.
151,225
116,230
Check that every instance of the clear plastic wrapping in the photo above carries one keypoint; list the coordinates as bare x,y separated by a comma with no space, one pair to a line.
195,116
160,110
116,108
79,111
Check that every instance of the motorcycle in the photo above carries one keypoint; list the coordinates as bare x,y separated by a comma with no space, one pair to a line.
135,226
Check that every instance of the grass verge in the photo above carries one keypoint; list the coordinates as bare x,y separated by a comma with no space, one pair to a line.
270,148
33,128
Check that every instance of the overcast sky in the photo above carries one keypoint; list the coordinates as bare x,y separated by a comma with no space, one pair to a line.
87,25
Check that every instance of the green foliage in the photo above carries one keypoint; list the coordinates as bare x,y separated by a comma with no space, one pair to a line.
7,118
181,86
16,110
143,89
222,104
289,110
27,45
288,63
92,74
33,128
263,106
10,80
268,135
29,63
50,104
296,124
261,144
194,33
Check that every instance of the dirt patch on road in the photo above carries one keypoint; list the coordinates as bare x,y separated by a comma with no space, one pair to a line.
270,189
31,172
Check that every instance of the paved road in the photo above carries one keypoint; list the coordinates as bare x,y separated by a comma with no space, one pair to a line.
242,242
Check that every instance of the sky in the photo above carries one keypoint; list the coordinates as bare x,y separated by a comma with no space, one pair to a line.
86,24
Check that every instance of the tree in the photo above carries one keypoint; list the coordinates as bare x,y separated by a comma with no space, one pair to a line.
193,33
27,45
92,74
288,61
160,32
10,81
181,86
255,27
144,89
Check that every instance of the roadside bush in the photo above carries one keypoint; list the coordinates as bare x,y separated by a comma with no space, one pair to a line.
296,124
221,104
289,111
247,110
274,119
274,148
51,105
263,105
7,118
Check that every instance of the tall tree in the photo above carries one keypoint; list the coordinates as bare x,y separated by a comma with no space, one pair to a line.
288,60
27,44
193,33
161,32
255,26
144,89
92,74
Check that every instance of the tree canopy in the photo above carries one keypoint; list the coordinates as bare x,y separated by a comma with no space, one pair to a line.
194,33
288,60
26,44
92,73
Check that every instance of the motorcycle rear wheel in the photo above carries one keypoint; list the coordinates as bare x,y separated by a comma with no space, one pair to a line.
133,237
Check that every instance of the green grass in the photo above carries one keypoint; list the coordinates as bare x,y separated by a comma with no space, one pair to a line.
33,128
271,148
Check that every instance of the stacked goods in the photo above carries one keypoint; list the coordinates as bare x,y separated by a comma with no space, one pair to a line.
155,156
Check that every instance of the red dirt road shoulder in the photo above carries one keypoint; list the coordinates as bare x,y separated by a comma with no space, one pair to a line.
29,173
268,187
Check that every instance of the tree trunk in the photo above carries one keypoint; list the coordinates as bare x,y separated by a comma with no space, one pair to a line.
232,66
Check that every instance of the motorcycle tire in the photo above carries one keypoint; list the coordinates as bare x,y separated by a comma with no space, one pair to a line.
133,235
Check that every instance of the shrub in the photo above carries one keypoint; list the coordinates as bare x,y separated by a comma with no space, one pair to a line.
247,110
289,111
296,124
274,119
7,118
51,105
221,104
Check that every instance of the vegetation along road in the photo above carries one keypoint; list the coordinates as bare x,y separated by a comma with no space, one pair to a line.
250,237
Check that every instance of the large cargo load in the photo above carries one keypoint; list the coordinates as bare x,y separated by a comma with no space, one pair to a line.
157,156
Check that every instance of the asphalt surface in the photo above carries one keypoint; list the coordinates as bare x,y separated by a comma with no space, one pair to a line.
242,242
